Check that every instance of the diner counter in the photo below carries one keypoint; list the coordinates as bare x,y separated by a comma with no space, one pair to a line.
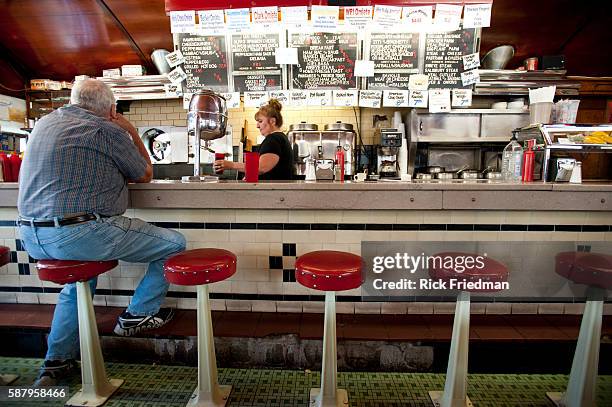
364,195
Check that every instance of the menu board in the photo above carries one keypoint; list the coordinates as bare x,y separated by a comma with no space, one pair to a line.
396,51
443,57
389,80
254,52
325,60
258,82
205,62
395,56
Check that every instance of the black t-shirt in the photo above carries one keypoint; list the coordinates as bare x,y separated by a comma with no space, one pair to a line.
277,143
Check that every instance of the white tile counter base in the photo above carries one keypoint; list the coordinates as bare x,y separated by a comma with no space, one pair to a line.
255,247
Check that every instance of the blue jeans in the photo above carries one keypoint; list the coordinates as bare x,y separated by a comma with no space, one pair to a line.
117,237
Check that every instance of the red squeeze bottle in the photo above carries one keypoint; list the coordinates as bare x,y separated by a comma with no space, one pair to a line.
340,161
6,167
15,162
528,162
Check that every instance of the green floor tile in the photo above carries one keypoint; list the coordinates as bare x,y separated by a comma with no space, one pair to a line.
168,386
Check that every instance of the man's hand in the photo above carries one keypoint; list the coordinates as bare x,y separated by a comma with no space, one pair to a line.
124,123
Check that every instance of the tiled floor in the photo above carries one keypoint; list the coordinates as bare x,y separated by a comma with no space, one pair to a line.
432,327
155,385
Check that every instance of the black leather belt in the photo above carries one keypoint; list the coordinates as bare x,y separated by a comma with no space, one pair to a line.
72,220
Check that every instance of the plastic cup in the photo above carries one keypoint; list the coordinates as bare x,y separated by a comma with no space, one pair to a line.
219,156
251,167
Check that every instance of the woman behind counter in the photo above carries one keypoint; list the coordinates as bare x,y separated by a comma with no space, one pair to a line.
275,154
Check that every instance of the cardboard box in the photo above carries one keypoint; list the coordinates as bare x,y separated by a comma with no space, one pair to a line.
132,70
110,73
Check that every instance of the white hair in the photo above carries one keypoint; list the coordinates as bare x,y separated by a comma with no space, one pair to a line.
93,95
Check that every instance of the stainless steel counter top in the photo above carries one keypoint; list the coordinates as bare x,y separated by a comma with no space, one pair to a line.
365,195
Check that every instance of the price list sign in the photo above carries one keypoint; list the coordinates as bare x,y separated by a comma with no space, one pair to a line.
395,57
254,62
205,62
254,52
325,60
444,57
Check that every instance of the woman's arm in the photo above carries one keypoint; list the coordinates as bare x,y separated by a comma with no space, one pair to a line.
266,163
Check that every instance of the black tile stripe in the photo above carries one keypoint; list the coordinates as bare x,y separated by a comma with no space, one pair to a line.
459,227
514,228
324,226
540,228
297,297
568,228
370,226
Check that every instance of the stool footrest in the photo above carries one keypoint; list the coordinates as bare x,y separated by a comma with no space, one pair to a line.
217,398
89,400
316,400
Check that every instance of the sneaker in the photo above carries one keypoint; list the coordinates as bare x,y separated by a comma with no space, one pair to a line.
129,325
54,370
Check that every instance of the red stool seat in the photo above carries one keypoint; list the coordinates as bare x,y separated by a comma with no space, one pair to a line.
329,270
71,271
200,266
5,255
493,271
593,269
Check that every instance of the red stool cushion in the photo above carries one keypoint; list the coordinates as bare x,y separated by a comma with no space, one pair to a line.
200,266
71,271
5,255
492,271
594,269
329,270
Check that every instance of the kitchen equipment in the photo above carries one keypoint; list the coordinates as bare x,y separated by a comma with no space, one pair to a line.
498,57
206,120
564,169
423,177
435,169
494,175
445,176
471,175
165,144
158,57
390,143
324,169
308,142
576,177
556,142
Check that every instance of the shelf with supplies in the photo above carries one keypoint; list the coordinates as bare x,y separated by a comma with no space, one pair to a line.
591,144
42,102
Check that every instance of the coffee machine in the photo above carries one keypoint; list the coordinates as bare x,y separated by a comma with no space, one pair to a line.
388,151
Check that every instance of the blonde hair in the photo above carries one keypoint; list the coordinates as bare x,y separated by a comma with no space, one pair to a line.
272,110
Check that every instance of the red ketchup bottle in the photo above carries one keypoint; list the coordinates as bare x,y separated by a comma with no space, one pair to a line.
15,162
528,161
340,163
6,167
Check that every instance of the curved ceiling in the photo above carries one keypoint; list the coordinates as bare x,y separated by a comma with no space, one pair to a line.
59,39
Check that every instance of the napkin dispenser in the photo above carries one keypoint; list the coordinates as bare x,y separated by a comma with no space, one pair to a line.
324,170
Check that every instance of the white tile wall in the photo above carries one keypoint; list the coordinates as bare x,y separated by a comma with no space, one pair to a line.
254,247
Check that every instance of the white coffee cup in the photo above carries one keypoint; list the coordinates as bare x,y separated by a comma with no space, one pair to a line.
360,177
406,177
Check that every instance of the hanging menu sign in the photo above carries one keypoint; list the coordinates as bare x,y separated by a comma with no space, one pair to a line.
257,82
205,62
325,60
389,80
395,56
444,57
397,51
254,52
